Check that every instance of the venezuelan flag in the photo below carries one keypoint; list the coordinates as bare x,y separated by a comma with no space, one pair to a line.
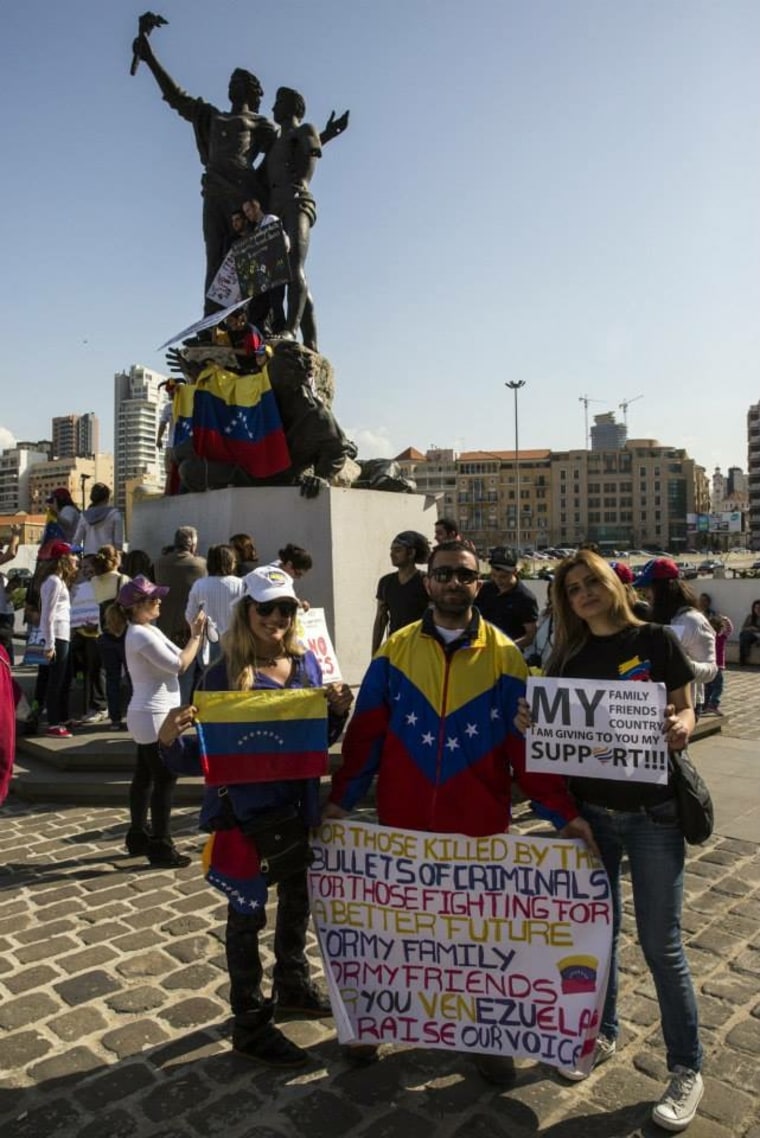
231,864
182,412
262,736
236,419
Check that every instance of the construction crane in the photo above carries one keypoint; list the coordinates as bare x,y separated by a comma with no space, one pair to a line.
585,400
624,408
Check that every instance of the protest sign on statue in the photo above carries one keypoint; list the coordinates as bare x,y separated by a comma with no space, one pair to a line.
495,945
311,627
597,729
255,264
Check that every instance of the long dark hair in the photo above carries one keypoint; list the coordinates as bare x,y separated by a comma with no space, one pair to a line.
668,597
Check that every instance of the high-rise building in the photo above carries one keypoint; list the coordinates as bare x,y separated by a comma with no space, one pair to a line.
606,434
76,436
137,402
15,466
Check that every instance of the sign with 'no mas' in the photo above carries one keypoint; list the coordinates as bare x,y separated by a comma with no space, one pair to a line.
597,729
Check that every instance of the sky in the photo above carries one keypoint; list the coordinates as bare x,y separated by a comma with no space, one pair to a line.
564,192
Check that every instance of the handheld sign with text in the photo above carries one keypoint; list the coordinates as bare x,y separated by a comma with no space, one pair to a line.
496,945
312,631
597,729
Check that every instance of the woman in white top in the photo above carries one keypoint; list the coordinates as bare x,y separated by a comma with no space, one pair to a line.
154,664
215,595
55,625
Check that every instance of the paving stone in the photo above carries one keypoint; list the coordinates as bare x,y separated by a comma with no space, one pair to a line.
87,958
322,1115
31,978
13,925
122,1081
86,987
21,1048
197,976
40,931
53,896
161,899
727,1105
190,1013
745,1036
191,949
74,1025
184,925
193,1047
173,1099
475,1126
112,1124
27,1009
747,961
730,986
103,930
134,1038
103,900
144,938
56,1119
146,964
142,999
56,946
224,1113
77,1061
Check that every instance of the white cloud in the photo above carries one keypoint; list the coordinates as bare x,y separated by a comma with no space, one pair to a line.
373,442
7,439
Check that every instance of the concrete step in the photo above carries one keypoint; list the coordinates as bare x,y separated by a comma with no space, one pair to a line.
38,781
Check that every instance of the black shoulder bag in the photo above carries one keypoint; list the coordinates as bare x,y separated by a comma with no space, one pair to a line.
696,815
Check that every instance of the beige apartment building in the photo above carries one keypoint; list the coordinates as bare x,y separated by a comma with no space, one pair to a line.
76,474
636,496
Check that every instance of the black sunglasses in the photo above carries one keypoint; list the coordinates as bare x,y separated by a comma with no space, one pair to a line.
284,608
446,574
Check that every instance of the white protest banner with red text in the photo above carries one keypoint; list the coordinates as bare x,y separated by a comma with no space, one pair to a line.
495,945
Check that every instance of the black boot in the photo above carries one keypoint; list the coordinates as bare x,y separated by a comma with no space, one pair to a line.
255,1037
137,840
164,854
305,999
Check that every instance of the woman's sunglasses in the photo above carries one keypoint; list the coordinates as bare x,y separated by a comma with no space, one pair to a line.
284,608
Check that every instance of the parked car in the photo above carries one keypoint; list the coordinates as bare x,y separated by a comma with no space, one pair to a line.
755,565
687,570
710,566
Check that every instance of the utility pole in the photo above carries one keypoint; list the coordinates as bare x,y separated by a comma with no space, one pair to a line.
514,386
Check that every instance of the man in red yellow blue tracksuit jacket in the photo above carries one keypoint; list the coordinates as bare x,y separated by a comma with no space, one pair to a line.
434,722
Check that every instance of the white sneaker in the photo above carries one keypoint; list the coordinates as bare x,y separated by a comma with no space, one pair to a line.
604,1049
95,717
677,1107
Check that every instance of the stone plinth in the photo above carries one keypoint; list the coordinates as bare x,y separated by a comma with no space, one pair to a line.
347,532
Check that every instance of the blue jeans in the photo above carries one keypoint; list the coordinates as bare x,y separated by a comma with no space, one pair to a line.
655,849
114,663
714,690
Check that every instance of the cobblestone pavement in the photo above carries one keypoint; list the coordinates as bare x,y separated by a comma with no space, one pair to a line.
114,1019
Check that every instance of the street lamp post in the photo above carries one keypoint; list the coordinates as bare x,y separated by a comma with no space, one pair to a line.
514,385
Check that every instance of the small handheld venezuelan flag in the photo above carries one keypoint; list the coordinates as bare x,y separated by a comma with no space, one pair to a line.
262,736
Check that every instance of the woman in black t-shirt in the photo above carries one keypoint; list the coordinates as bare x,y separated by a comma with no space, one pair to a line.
597,636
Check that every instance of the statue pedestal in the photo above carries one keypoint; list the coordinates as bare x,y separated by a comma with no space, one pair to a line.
347,532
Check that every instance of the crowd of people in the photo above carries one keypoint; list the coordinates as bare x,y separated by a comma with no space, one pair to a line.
225,624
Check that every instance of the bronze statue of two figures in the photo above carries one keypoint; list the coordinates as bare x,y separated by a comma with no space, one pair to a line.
247,156
256,192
